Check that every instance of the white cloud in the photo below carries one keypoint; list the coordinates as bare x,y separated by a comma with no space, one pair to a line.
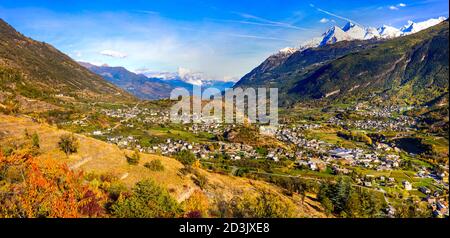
324,20
228,78
114,54
393,8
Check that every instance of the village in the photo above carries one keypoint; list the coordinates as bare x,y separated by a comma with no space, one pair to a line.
377,119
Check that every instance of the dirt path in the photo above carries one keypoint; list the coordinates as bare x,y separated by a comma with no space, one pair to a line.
124,176
80,163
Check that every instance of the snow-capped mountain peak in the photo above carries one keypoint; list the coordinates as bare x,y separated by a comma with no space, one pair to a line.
333,35
371,33
287,50
413,27
354,31
388,32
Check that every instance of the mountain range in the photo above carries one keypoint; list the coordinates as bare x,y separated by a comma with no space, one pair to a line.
352,31
344,65
154,85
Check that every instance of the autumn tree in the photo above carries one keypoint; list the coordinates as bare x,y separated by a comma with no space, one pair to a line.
68,144
134,158
197,205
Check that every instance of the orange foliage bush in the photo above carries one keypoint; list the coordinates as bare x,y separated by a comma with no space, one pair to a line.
197,205
44,188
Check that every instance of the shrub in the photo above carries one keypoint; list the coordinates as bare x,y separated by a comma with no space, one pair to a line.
35,142
68,144
134,158
115,190
264,205
186,157
7,151
108,177
261,151
148,200
186,170
197,205
154,165
200,180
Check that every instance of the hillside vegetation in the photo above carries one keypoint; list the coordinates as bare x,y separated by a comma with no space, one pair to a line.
36,70
180,182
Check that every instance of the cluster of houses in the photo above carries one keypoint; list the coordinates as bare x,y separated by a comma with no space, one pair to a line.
370,180
401,123
378,118
124,142
381,112
294,136
211,128
144,115
377,158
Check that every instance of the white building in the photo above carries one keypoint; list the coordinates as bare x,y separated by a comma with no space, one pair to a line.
407,185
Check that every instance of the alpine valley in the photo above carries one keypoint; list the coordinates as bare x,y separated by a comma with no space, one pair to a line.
363,124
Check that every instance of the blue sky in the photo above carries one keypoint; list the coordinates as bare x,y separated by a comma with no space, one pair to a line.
224,39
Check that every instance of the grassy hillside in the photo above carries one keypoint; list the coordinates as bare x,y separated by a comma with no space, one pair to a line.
36,70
